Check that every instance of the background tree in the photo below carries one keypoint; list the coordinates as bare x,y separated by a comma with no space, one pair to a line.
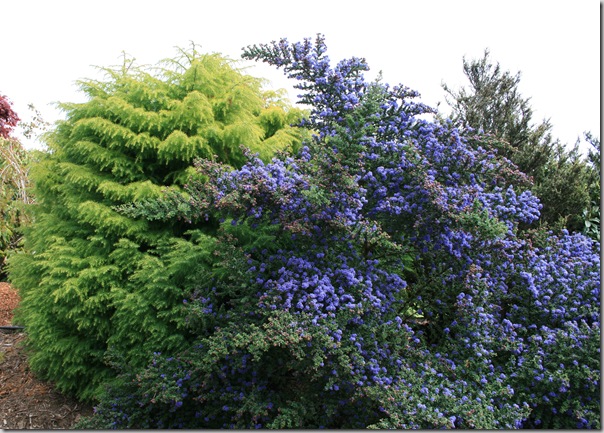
95,283
14,196
14,184
492,103
591,214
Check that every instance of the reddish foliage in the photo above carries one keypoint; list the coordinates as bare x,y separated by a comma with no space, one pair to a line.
8,117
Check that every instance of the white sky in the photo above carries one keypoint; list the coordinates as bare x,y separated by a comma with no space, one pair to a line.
48,45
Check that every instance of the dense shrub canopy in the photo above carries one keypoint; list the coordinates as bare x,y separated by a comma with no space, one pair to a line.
94,282
377,277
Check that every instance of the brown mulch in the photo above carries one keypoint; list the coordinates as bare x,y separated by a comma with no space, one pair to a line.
25,401
9,299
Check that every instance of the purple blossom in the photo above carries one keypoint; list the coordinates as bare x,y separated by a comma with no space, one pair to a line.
400,248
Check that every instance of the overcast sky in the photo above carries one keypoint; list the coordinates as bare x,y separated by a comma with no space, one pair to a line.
48,45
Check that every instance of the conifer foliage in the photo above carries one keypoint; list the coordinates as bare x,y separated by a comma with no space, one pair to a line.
98,285
376,278
493,103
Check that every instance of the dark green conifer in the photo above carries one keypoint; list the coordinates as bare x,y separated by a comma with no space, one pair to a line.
493,103
99,286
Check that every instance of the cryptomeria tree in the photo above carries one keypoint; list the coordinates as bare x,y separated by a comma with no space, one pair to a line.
493,103
377,277
95,284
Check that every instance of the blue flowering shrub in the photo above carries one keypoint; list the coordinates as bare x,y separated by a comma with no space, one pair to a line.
387,275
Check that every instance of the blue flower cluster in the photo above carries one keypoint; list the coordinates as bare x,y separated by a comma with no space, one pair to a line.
397,220
388,275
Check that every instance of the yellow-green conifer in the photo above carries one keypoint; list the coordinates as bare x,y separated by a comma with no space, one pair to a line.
98,285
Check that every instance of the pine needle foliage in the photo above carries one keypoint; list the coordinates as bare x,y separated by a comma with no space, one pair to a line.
492,103
96,284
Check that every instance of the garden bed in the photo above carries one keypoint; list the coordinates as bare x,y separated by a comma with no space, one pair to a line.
25,401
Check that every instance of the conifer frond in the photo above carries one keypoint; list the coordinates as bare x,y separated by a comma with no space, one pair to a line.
179,146
81,175
110,161
107,133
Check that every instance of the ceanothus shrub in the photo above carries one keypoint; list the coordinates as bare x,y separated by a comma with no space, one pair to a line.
385,276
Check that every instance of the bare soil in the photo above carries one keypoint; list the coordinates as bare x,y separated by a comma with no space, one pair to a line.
27,402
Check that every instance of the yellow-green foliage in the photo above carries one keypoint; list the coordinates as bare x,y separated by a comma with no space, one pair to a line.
97,284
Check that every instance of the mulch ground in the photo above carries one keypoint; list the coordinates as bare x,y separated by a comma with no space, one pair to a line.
25,401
